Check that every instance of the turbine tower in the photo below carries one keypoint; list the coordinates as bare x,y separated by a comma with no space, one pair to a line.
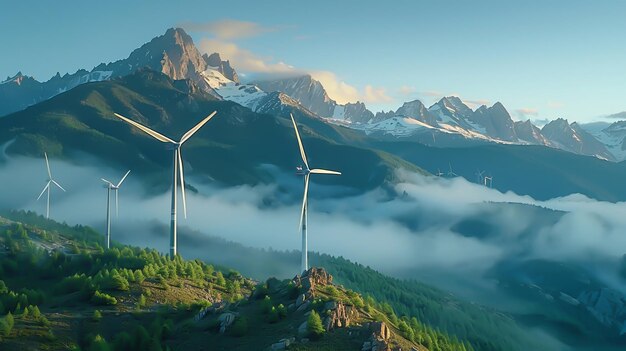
47,187
110,186
490,179
306,172
177,170
480,178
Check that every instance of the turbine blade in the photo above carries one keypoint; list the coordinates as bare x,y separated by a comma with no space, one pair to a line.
324,171
152,133
48,165
182,183
299,142
122,181
57,184
193,130
43,191
304,199
106,181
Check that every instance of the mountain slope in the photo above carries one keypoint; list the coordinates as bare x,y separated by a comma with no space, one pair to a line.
81,296
229,150
172,53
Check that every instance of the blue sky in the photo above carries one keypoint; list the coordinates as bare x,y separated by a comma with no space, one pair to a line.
541,59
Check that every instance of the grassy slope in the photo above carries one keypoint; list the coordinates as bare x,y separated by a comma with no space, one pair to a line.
60,269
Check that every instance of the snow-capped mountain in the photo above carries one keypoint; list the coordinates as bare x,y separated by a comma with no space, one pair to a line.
311,94
448,122
573,138
530,133
613,136
496,122
173,53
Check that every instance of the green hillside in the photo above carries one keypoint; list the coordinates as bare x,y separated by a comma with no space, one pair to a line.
60,290
230,149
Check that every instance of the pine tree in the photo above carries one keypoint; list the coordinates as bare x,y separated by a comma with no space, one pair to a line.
314,325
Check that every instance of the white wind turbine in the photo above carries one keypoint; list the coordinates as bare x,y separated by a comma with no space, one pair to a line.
451,172
306,172
177,170
480,176
490,179
110,186
47,187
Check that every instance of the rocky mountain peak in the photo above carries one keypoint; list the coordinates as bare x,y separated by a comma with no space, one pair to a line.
215,61
416,109
308,91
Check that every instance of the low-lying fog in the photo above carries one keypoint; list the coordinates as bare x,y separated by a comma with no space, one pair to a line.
414,229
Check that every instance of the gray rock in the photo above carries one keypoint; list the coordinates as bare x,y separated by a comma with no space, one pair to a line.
300,300
302,329
303,307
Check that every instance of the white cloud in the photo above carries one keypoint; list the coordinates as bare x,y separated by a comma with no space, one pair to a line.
406,90
228,29
242,59
248,62
526,113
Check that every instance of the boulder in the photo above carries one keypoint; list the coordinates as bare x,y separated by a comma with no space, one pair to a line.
283,344
226,319
380,330
300,300
303,307
302,328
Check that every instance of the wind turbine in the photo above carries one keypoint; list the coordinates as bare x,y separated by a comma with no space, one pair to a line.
306,172
177,170
490,181
47,187
439,173
450,172
479,176
110,186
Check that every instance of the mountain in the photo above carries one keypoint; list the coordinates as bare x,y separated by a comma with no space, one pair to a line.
81,121
573,138
528,132
496,121
447,123
172,53
415,109
311,94
613,136
308,91
215,62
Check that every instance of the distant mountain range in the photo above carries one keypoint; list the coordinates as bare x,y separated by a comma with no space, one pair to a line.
447,123
252,128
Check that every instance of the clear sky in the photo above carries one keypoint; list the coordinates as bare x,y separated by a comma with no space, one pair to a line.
541,59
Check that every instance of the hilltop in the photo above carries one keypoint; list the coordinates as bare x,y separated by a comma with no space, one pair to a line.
60,290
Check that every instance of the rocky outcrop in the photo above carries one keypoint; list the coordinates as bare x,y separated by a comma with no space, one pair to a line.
339,315
379,339
309,280
226,320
